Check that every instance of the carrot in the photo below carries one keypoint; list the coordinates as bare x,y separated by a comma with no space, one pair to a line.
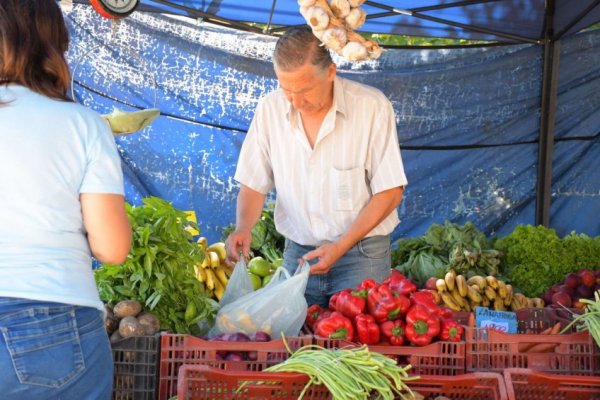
526,346
546,347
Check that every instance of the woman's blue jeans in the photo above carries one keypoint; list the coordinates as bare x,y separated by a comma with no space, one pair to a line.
369,258
53,351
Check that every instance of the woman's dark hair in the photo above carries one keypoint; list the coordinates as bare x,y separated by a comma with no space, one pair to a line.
33,42
297,46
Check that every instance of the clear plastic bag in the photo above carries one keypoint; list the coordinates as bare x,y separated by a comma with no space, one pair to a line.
279,307
239,284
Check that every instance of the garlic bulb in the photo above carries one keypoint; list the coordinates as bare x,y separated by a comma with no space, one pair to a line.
335,38
340,8
356,18
306,3
354,3
317,18
354,51
319,33
375,52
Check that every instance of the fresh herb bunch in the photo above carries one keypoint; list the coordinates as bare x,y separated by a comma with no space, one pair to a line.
266,241
536,258
159,270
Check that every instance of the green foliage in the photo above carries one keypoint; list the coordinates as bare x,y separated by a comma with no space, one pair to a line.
159,270
536,258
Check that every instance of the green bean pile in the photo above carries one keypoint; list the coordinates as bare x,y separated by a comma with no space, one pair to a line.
354,373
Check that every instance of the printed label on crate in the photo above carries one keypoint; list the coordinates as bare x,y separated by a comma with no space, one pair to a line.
503,321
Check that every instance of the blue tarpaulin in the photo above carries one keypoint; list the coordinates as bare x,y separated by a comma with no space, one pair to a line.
468,119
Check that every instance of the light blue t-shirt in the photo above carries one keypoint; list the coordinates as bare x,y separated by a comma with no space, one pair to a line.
50,152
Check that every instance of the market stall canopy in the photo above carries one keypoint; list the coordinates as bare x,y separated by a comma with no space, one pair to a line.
509,21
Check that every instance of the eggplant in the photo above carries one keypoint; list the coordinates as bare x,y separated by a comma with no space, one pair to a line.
235,356
239,337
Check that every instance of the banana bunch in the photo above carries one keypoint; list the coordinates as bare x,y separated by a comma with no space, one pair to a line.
213,271
462,294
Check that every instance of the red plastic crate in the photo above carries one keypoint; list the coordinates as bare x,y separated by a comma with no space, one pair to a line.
472,386
526,384
488,350
201,382
437,358
177,350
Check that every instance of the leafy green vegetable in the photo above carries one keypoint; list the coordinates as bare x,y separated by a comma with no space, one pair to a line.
536,258
159,270
443,247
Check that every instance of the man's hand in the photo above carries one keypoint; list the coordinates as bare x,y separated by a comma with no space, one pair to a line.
238,242
326,255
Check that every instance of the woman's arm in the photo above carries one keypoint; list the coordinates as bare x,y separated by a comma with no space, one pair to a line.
108,230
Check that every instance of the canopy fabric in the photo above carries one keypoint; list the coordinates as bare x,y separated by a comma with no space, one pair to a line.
496,20
468,119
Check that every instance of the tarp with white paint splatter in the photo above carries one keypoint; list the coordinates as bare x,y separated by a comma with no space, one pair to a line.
468,119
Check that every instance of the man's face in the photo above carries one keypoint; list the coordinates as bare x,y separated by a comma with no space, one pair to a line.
309,90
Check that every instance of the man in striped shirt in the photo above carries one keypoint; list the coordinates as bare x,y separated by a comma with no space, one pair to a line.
329,148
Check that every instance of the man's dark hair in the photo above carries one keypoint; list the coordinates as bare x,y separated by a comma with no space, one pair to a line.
297,46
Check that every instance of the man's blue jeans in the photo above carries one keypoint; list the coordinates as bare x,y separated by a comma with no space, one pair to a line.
369,258
53,351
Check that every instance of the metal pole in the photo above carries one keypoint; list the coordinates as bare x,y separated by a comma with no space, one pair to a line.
547,117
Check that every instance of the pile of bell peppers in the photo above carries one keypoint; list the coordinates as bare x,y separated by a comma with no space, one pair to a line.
392,312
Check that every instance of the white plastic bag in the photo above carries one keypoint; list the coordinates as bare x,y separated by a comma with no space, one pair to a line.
279,307
239,284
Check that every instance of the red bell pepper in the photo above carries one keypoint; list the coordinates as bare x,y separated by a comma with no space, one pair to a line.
394,275
312,315
367,284
333,299
424,297
421,325
392,332
403,286
336,326
385,304
367,330
351,303
451,330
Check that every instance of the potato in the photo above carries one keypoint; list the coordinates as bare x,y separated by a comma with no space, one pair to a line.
115,337
130,326
111,323
150,322
127,308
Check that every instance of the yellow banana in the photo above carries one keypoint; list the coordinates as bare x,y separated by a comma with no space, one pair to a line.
210,279
201,274
491,281
461,285
440,284
219,289
221,276
485,302
219,248
473,294
458,298
215,262
502,292
449,301
509,295
206,261
202,242
450,279
538,303
489,293
477,280
499,304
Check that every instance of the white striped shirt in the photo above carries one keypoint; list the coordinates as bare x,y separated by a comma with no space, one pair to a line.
321,191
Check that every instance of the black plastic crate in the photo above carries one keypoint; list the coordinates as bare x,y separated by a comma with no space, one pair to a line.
136,368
